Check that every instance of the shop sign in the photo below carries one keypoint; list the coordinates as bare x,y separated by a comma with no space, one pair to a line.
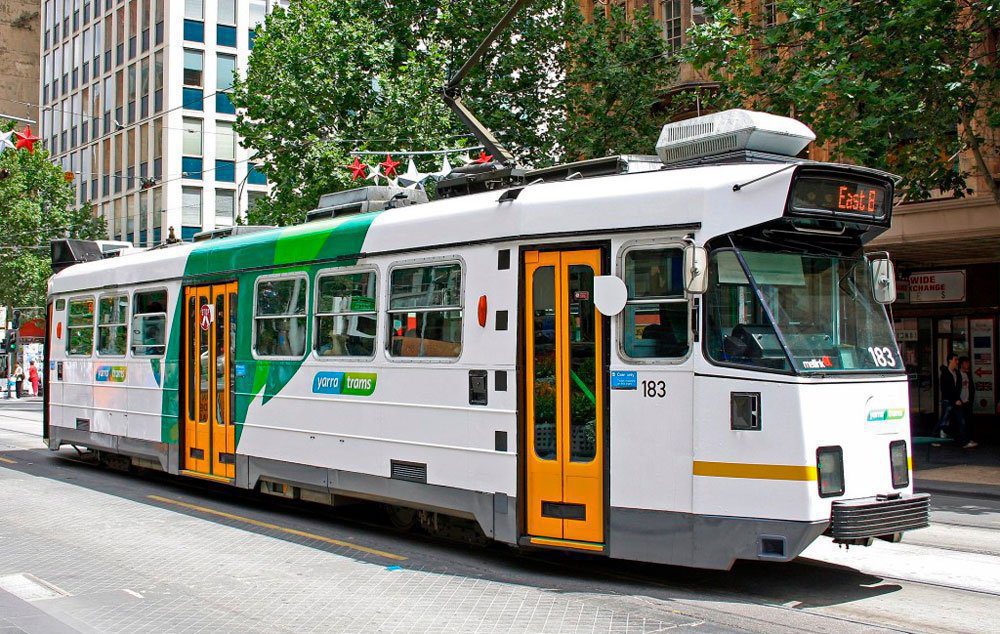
935,286
981,333
906,330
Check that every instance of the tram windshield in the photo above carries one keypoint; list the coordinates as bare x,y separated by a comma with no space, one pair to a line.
815,311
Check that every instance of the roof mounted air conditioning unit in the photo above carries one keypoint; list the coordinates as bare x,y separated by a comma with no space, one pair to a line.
732,131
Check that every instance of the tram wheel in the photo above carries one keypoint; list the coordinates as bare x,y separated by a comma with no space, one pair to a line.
401,518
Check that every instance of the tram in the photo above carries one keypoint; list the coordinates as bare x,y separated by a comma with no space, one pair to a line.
689,365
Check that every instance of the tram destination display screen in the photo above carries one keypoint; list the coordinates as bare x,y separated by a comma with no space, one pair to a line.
830,195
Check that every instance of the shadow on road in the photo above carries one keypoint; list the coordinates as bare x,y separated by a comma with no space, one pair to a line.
799,584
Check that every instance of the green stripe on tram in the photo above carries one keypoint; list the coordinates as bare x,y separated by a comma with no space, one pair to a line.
306,247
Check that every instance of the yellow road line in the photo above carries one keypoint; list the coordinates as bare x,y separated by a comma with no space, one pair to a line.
8,460
290,531
755,471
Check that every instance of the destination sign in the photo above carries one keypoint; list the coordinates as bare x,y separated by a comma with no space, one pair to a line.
839,196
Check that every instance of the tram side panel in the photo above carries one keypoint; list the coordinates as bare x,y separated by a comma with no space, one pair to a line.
651,422
401,419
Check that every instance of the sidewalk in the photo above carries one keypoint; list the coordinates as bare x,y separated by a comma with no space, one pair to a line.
956,471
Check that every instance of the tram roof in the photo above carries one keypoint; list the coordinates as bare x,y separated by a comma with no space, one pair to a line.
684,199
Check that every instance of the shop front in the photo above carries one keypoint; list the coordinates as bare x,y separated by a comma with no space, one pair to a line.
942,311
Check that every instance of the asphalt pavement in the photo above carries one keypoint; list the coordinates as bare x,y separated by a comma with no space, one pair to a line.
84,548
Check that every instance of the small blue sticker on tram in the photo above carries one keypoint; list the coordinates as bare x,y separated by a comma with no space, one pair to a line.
624,380
241,369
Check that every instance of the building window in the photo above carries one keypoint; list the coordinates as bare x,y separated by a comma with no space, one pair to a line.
191,207
191,163
149,323
194,21
280,317
225,207
112,326
254,198
258,10
425,311
769,11
225,31
673,27
225,171
255,176
656,315
225,71
80,327
194,65
192,137
346,315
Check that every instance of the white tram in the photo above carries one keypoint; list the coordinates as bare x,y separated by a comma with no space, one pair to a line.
690,365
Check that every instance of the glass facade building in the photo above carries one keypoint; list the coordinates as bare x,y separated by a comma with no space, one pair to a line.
134,102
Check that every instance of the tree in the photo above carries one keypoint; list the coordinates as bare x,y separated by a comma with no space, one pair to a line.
904,86
326,79
36,206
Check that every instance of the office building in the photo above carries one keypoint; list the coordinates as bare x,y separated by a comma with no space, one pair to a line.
134,101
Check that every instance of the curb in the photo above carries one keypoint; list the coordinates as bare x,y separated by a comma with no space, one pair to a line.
985,491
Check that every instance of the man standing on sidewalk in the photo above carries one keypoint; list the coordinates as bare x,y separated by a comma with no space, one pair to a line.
952,411
967,395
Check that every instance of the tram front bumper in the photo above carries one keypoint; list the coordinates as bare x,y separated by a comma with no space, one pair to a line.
861,520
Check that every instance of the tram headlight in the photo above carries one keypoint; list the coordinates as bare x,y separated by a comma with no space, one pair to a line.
900,464
830,467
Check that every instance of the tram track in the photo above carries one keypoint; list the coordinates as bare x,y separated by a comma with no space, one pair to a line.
706,594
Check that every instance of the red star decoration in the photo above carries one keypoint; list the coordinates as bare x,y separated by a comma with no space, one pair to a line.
389,166
358,169
26,140
483,158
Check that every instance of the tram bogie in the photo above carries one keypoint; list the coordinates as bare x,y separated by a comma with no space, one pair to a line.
688,366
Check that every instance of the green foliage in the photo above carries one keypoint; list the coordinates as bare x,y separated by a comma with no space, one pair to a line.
326,78
36,206
896,85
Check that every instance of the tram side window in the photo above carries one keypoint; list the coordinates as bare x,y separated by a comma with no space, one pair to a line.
280,317
149,323
738,330
346,315
425,311
656,315
112,325
80,327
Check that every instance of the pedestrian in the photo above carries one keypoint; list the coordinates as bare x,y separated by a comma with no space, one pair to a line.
950,383
18,377
967,394
33,378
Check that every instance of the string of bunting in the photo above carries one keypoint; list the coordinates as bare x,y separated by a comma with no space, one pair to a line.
412,178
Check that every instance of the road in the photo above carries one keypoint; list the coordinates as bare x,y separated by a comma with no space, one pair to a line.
85,548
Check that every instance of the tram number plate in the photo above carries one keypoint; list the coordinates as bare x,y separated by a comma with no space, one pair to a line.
654,389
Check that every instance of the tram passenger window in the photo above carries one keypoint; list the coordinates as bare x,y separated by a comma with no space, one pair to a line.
345,315
112,325
738,330
425,311
280,317
80,327
656,315
149,323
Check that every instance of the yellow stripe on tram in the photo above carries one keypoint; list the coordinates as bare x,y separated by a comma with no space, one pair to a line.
754,471
290,531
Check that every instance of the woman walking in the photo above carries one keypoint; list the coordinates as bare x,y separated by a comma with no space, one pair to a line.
33,378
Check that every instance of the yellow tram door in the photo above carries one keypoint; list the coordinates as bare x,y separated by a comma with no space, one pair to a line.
210,345
564,410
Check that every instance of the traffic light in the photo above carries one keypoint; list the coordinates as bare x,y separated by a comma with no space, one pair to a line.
15,323
12,342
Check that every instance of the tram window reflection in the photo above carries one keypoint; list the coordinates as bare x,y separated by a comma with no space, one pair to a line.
656,315
149,323
112,328
425,311
738,328
280,317
346,315
80,327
